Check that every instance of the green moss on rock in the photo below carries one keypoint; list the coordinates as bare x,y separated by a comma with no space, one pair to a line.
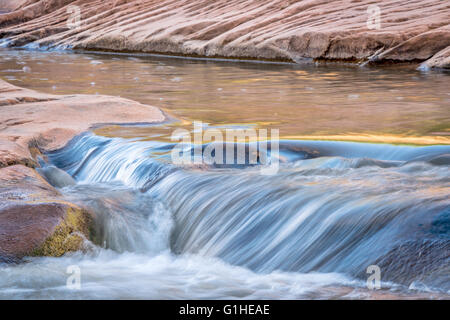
68,236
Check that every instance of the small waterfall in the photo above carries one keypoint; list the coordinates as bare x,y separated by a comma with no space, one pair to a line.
350,206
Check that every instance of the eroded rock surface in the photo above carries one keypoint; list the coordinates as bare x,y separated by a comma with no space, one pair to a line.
29,118
10,5
277,30
34,218
439,60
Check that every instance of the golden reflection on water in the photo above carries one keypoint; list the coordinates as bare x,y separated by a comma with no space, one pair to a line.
390,104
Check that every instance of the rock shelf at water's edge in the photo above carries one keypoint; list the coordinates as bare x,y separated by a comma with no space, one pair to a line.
34,218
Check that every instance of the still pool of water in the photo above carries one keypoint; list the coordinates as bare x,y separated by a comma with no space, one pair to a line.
309,100
309,231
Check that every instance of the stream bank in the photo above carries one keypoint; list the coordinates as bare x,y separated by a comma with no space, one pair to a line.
299,31
34,217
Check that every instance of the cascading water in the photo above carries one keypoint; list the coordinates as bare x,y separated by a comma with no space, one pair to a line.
320,220
310,231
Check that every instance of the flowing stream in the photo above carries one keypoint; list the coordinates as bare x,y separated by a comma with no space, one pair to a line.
332,209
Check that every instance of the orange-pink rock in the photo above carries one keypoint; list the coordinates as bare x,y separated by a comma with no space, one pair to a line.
33,215
261,29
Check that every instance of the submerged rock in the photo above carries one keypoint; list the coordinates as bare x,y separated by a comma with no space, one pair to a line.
56,177
417,263
442,160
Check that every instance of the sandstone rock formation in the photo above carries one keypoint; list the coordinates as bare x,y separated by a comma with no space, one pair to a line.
406,31
29,118
439,60
34,219
9,5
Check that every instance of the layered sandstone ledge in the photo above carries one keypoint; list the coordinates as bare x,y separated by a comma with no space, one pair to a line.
34,219
409,31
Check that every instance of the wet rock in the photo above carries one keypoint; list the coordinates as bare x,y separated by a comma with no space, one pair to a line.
443,160
418,262
275,30
34,219
56,177
440,60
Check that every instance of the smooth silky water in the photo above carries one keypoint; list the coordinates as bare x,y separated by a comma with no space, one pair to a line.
309,231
